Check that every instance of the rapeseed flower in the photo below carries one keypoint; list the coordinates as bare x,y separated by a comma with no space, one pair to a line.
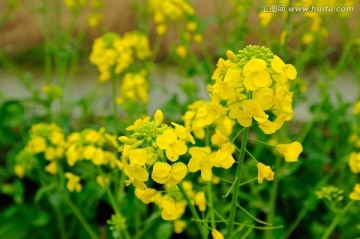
73,183
355,195
164,173
172,145
264,172
354,162
200,201
291,151
200,160
216,234
169,211
253,85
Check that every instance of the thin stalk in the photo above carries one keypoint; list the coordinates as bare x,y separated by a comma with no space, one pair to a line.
237,184
60,222
272,203
310,201
211,205
193,212
114,105
79,216
336,221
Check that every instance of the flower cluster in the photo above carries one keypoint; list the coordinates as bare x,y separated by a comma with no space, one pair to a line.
176,11
46,140
134,87
151,156
331,193
165,11
95,6
113,54
90,144
253,85
354,157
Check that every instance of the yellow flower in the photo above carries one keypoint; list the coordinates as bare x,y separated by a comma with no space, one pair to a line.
291,151
226,87
102,180
216,234
179,226
246,110
200,201
99,157
181,51
264,172
163,173
223,157
256,74
89,152
19,170
354,162
158,117
73,183
50,153
173,146
357,108
184,133
51,168
200,160
37,145
265,97
136,170
355,195
169,211
147,195
279,67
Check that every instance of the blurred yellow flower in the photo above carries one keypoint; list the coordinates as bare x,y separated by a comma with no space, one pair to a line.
73,183
179,226
52,168
19,170
355,195
354,162
356,108
291,151
216,234
181,51
102,180
200,201
169,212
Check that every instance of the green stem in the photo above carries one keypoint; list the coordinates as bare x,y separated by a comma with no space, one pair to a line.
336,221
310,201
211,205
193,212
60,222
237,184
80,216
272,203
114,105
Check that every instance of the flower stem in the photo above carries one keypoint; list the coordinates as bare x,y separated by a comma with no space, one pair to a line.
80,216
211,205
193,212
336,221
114,105
237,184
